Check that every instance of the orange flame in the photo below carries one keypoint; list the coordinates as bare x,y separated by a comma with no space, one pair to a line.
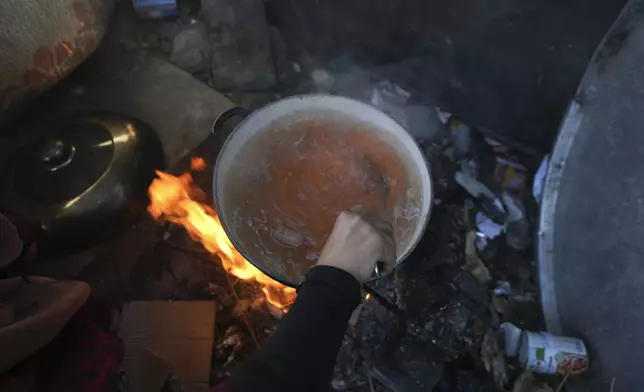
174,199
197,164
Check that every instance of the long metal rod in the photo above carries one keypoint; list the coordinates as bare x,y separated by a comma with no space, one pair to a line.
384,301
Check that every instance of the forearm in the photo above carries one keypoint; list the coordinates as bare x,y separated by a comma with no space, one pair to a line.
300,356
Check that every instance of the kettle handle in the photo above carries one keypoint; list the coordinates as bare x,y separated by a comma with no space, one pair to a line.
226,115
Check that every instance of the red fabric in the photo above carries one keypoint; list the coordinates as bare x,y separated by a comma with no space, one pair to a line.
85,356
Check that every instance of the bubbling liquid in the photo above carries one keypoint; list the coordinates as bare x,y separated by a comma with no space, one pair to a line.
291,182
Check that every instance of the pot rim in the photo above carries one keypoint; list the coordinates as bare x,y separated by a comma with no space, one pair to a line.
424,166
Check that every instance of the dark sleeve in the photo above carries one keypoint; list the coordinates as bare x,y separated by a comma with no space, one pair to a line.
301,355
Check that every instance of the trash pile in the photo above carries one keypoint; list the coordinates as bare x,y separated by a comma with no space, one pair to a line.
445,320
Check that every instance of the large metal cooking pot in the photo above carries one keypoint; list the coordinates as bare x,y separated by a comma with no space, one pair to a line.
84,181
274,194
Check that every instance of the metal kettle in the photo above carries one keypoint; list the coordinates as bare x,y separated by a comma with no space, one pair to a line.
82,183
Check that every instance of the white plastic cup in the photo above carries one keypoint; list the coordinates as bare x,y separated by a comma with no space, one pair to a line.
545,353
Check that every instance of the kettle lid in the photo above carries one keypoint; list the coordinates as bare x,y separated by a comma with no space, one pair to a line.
63,164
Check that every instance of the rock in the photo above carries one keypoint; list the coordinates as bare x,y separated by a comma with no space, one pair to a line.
240,56
190,49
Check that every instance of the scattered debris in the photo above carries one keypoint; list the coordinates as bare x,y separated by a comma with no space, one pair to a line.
443,115
517,228
221,294
410,366
241,307
563,382
491,204
510,175
503,288
493,358
230,345
461,138
391,98
487,228
527,383
473,262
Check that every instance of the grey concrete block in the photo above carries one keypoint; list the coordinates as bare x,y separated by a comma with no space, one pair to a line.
241,55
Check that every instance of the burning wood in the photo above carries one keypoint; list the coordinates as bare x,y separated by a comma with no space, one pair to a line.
176,200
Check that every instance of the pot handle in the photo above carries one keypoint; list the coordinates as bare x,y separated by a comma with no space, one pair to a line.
226,115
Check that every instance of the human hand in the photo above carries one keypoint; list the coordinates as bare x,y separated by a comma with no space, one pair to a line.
359,239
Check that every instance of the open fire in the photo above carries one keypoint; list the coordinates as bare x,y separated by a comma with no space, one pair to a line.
179,200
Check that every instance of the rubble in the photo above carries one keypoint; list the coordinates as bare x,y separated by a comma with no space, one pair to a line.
493,358
472,260
444,289
231,343
240,56
190,49
409,366
527,383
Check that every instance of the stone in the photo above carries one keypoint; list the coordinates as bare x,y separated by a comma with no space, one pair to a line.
240,56
190,49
